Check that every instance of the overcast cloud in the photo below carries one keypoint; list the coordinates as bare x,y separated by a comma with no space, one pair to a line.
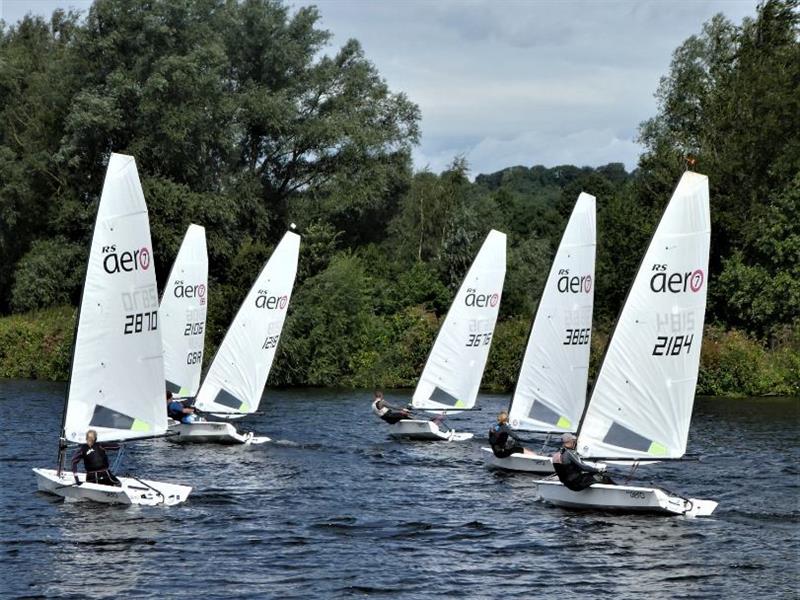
514,82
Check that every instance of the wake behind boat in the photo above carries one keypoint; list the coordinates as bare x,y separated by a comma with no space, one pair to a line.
550,393
641,405
452,374
117,371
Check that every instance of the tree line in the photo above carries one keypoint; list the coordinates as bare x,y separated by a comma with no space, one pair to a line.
242,118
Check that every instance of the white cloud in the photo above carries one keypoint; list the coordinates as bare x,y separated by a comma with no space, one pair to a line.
516,82
509,82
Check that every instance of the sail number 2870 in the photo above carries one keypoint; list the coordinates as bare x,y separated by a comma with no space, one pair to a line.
138,322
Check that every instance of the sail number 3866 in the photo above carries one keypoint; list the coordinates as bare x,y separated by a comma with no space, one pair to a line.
577,337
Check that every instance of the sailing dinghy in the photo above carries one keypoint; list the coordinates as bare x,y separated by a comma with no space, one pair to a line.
641,405
116,384
238,374
551,388
452,375
184,304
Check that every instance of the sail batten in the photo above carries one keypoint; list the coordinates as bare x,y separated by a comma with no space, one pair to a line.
184,306
551,388
452,374
642,401
117,376
238,374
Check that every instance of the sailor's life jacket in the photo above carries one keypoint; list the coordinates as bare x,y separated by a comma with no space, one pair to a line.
572,471
175,410
94,458
502,440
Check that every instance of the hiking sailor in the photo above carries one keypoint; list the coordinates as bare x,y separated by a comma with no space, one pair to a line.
388,413
503,440
178,411
572,471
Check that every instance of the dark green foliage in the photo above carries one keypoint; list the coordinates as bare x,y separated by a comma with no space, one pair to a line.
49,274
732,101
244,119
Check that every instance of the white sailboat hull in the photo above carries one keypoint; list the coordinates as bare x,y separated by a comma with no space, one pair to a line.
215,432
417,429
527,463
154,493
622,498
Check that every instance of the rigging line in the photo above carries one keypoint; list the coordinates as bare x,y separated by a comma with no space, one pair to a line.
156,490
118,459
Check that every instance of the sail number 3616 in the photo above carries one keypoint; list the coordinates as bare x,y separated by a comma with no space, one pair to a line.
478,339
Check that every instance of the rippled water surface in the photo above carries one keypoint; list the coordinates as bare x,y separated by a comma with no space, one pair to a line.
335,508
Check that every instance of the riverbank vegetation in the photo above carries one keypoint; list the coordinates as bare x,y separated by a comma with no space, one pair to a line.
244,119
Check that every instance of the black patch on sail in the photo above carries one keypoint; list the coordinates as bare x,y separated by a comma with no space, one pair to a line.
107,417
173,387
621,436
545,414
225,398
442,397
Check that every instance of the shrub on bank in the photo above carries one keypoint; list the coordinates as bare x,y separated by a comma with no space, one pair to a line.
733,364
390,351
37,345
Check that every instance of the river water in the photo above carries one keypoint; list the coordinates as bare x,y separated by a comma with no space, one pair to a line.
335,508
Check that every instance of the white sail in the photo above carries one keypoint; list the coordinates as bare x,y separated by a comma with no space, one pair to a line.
453,373
641,405
551,390
183,314
117,379
237,376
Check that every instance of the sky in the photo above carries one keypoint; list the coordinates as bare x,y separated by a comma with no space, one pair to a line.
513,82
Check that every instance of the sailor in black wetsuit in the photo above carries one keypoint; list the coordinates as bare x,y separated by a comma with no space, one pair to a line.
95,461
388,413
572,471
503,440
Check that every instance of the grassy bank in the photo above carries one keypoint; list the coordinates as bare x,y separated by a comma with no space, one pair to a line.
389,352
37,345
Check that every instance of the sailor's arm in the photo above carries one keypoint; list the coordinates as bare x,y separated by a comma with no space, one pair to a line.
76,458
576,460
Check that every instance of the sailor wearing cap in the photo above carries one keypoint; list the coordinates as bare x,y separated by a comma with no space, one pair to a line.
572,471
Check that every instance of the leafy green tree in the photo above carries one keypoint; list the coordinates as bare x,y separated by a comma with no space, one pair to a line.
732,102
323,342
50,273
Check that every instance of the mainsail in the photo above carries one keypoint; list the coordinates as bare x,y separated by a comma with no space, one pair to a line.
551,389
641,405
237,376
452,375
117,379
183,314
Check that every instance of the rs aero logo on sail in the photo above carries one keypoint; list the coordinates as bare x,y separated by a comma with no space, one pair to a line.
676,283
125,260
268,301
184,290
473,298
573,284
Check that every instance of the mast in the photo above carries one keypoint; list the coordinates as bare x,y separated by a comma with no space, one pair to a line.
62,436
